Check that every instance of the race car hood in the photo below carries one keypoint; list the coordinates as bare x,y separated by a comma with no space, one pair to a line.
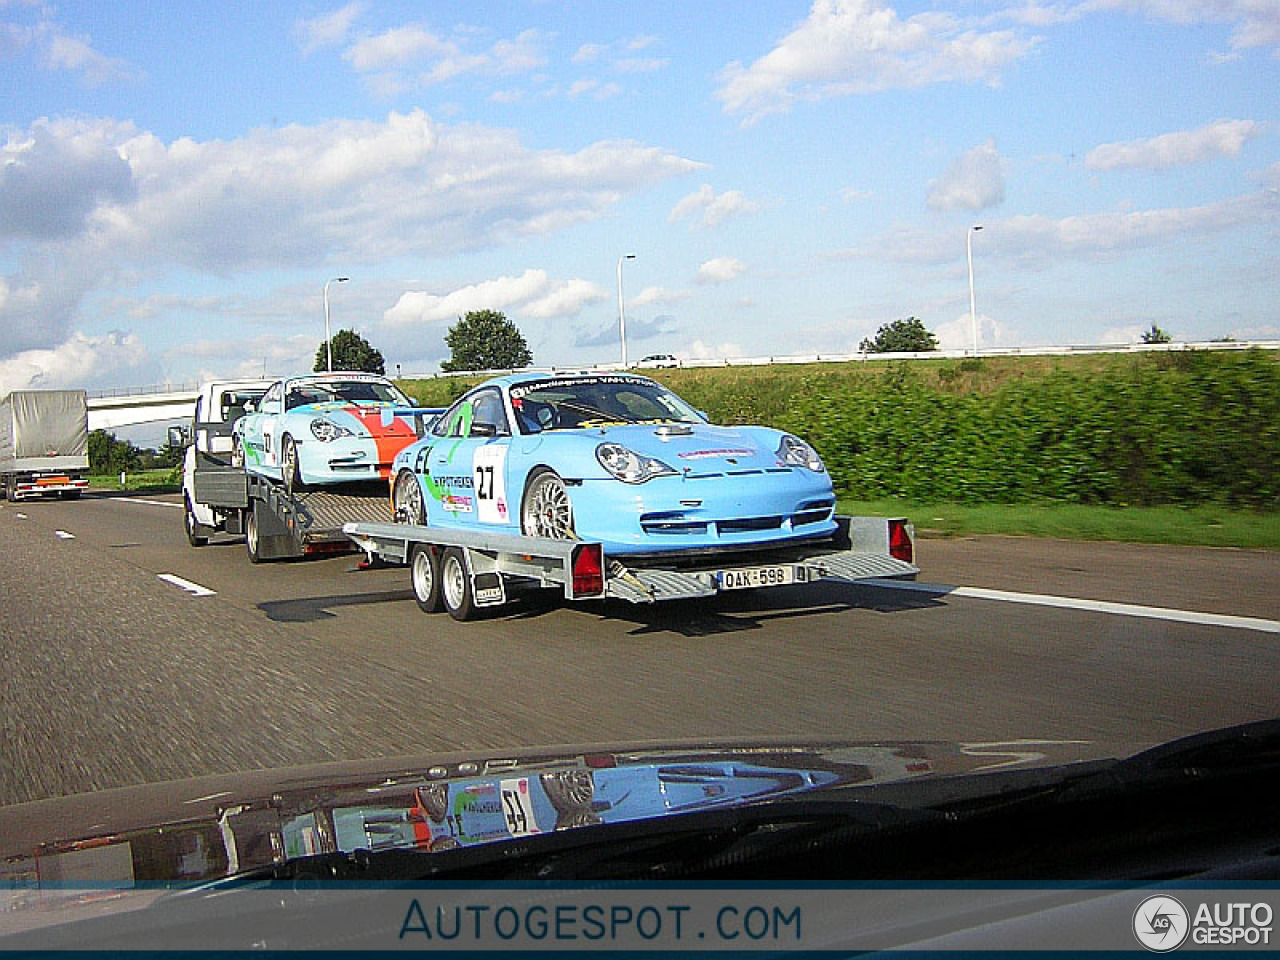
214,827
371,419
699,447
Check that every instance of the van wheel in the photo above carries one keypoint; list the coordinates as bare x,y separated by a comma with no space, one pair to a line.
455,585
251,535
189,523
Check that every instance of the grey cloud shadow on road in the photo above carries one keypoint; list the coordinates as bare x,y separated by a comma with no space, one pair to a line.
311,609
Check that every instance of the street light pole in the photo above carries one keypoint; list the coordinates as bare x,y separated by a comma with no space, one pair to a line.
328,338
622,313
973,309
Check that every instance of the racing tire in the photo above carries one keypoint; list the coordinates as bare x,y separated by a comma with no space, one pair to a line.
455,585
424,576
290,472
251,542
189,524
546,510
407,505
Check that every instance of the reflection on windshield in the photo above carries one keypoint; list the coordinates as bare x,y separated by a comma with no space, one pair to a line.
596,402
352,391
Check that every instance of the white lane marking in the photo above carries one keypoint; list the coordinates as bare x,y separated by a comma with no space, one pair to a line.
149,503
1091,606
63,535
187,585
21,516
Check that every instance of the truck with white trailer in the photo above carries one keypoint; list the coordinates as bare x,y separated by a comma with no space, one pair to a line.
44,443
221,496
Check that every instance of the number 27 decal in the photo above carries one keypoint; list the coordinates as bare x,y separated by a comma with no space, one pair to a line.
488,469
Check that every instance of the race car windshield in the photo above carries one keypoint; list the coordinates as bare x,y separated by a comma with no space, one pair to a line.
596,402
349,391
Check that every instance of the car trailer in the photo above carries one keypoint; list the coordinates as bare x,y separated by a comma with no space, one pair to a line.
464,572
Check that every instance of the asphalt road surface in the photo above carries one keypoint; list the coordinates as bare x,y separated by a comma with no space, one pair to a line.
110,675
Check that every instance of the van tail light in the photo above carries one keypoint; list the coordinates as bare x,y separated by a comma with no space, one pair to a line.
588,570
900,544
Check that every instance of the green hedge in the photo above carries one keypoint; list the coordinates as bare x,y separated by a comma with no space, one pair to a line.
1162,428
1172,428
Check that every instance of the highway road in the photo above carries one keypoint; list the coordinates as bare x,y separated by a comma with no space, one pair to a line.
111,675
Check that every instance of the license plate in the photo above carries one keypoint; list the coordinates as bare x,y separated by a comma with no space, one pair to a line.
748,577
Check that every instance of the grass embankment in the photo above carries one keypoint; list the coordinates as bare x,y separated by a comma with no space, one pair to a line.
144,481
1168,448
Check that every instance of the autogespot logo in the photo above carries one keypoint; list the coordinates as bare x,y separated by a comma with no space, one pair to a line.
1161,923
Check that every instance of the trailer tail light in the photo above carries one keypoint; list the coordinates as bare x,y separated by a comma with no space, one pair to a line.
588,570
900,545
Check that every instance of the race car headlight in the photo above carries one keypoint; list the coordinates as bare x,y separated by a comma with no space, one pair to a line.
629,466
794,452
326,430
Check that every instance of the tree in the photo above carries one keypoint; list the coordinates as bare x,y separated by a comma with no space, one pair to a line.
901,336
108,456
486,340
1156,335
350,352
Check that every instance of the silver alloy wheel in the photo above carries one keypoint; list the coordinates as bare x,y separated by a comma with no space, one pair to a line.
406,500
251,534
547,511
453,581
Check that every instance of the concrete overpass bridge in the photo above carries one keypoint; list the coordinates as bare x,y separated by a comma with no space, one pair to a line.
108,413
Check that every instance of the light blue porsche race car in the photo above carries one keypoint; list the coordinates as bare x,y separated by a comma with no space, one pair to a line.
327,428
614,458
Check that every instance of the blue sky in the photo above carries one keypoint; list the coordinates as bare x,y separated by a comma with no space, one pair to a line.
178,181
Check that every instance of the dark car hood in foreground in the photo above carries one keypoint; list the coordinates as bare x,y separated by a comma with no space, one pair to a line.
205,829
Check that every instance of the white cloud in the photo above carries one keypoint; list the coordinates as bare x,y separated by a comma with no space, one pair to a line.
714,209
88,199
1255,23
701,350
80,362
957,334
640,64
854,194
411,56
720,270
1036,240
532,294
849,47
329,30
396,47
651,295
974,181
1222,138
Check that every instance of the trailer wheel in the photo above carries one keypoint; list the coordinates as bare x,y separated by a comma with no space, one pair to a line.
546,510
70,494
251,535
290,472
424,574
455,585
189,524
11,489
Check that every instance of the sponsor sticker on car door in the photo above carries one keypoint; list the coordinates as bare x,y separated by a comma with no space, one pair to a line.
489,474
